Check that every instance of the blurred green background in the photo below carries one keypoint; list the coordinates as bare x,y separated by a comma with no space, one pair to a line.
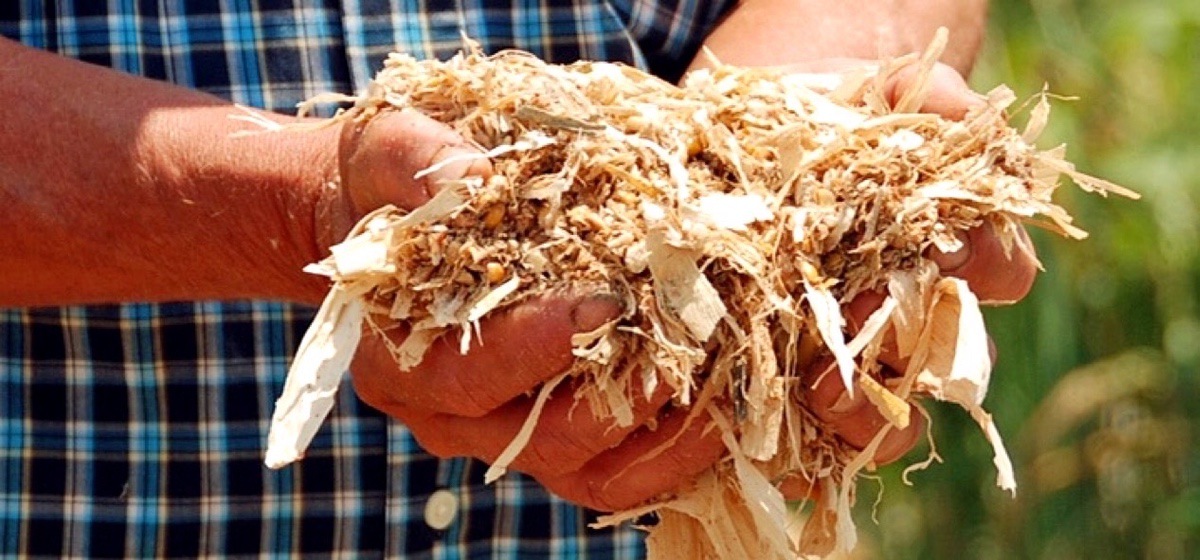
1096,389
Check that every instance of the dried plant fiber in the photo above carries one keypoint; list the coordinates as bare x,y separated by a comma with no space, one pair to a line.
734,214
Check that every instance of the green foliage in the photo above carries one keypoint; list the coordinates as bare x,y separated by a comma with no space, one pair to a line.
1097,374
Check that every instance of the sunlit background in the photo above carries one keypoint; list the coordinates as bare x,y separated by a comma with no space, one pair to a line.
1096,389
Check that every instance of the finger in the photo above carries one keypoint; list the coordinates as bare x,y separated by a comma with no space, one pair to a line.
855,419
858,311
949,95
830,65
568,433
899,441
799,486
646,465
382,156
994,277
516,350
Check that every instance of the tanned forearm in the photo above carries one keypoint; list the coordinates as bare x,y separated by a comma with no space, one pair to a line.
776,32
116,188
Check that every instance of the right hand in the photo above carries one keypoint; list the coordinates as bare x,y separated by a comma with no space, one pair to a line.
474,404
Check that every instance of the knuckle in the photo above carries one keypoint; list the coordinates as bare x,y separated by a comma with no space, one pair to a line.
598,495
591,490
455,397
860,428
558,452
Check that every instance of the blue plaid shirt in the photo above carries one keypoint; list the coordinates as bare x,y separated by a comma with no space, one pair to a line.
138,430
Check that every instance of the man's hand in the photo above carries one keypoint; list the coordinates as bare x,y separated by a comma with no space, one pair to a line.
377,161
829,35
991,274
136,190
474,404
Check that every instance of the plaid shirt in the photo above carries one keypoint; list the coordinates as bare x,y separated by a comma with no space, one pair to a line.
138,430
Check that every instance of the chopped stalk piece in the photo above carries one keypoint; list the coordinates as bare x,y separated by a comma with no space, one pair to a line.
735,216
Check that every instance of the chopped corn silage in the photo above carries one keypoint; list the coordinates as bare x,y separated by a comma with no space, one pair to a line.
734,215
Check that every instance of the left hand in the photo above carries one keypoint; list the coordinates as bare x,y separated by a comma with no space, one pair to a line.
991,274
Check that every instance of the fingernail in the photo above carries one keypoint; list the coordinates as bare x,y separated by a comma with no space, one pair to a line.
452,162
950,262
593,312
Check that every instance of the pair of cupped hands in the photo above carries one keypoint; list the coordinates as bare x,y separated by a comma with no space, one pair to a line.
474,404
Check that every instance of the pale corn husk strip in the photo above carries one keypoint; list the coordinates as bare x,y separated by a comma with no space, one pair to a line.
734,215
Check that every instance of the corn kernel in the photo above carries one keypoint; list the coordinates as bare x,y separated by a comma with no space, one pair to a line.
493,216
495,272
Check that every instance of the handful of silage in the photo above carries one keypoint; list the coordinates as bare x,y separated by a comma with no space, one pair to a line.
734,215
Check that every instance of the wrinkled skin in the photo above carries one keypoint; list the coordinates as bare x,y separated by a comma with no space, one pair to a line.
474,404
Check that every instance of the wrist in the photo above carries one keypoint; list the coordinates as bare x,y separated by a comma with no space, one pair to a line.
252,197
131,189
753,33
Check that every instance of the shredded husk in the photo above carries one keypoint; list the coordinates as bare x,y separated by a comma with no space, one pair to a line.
735,214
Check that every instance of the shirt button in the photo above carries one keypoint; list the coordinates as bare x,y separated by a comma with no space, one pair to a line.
441,509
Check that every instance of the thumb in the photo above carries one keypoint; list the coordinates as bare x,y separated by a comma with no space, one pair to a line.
380,158
949,95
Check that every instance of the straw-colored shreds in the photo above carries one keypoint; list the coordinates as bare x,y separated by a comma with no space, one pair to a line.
734,215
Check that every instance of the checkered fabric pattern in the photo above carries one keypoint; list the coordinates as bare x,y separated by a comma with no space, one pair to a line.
137,430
